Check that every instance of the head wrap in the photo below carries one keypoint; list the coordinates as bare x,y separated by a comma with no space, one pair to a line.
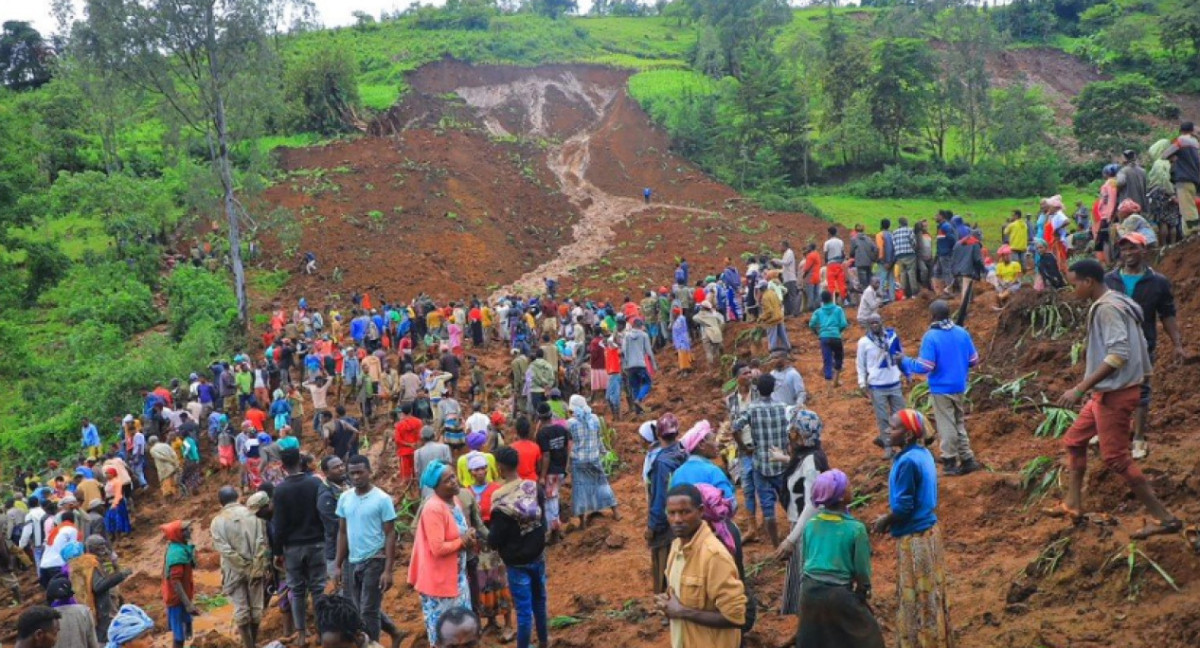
716,510
1004,249
1055,203
695,436
648,431
578,405
913,421
278,394
433,474
288,443
476,460
72,551
173,531
830,487
498,418
258,502
475,440
129,624
808,424
59,592
1129,206
668,425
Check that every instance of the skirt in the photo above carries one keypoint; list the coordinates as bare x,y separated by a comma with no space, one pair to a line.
492,580
227,456
685,359
923,616
832,615
191,476
116,520
599,380
792,582
590,489
433,607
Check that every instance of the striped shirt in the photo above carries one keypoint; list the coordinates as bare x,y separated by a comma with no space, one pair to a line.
768,429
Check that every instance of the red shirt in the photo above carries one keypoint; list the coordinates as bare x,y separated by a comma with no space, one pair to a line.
475,315
405,344
183,575
162,392
612,360
700,295
812,265
529,455
408,431
257,418
268,338
631,310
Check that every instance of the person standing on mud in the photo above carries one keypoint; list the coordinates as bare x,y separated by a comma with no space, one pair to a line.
1118,363
669,457
767,421
299,541
637,355
879,375
791,306
366,547
947,355
1152,292
241,540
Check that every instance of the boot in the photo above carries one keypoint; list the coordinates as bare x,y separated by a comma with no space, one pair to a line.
950,467
967,467
751,534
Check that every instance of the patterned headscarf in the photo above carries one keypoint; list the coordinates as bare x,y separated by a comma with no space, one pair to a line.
808,424
1129,206
830,487
668,425
913,422
129,624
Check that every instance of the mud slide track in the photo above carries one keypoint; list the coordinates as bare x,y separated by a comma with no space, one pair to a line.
590,112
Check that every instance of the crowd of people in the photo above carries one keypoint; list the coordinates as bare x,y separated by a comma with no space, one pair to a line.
482,479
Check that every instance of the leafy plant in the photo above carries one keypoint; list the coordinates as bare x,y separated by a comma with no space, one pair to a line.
1047,560
1058,420
1131,553
1038,476
211,601
920,398
560,622
1077,351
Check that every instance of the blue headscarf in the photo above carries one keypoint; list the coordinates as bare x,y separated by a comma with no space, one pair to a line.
432,474
129,624
72,551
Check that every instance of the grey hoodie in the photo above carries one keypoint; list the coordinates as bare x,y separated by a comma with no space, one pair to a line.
1115,338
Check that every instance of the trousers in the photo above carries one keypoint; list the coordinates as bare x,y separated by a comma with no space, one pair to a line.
528,586
948,412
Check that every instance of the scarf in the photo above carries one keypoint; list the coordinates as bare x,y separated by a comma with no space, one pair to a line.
129,624
830,487
695,436
518,499
717,511
942,325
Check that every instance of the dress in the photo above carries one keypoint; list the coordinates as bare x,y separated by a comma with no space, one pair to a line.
433,607
590,488
491,577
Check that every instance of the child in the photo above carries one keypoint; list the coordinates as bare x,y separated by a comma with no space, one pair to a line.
178,586
682,341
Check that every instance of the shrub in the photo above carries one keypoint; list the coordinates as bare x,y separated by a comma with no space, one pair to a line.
108,293
46,265
194,296
323,90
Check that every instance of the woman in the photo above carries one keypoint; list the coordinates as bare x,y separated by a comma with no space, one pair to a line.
191,466
443,538
700,442
591,492
116,520
681,340
807,463
490,576
837,574
455,332
1129,215
923,613
281,410
131,628
1104,212
1057,229
1008,275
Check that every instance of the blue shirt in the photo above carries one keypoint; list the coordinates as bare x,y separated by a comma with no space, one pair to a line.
947,354
700,470
205,393
91,437
365,516
912,491
829,321
1131,282
358,329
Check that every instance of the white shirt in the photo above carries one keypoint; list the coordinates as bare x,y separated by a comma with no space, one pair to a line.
52,556
477,422
835,250
868,305
789,265
875,365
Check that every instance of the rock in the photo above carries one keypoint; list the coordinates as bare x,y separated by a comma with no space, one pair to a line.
614,541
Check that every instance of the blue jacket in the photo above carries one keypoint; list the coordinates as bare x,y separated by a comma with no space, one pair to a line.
668,459
358,329
912,491
947,354
91,437
829,321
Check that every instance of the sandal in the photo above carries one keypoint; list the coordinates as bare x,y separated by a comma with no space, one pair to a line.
1161,527
1061,510
1192,535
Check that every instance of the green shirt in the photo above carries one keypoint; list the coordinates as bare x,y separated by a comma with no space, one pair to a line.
245,382
836,549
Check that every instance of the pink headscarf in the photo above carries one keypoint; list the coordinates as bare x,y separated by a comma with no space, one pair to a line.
717,512
695,436
1055,202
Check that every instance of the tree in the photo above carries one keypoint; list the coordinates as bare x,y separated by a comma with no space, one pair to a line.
842,71
24,57
322,88
740,25
554,8
1020,121
970,40
1180,29
1109,114
202,57
902,73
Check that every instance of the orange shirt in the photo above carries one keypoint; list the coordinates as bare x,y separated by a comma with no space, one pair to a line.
257,418
812,265
631,310
408,433
612,360
530,454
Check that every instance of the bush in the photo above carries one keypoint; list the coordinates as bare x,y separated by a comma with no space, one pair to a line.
46,265
323,90
108,293
195,296
471,15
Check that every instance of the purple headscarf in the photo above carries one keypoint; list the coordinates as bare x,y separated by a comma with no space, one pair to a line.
830,487
475,440
718,513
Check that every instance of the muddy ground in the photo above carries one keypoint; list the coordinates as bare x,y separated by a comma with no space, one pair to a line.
543,170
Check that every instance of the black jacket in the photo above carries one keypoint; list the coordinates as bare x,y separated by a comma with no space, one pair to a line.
1153,294
296,517
504,535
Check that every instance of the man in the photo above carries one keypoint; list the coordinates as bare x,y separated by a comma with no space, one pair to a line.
885,243
870,303
91,439
298,543
966,262
341,435
37,627
906,246
332,487
669,457
366,546
791,305
947,355
1132,182
555,444
431,450
458,627
789,384
179,586
835,272
865,252
636,352
520,364
771,319
712,331
240,538
167,463
705,599
33,533
87,488
1118,362
543,378
1152,292
828,323
1016,233
812,276
879,376
407,437
339,625
768,425
943,275
518,533
1184,154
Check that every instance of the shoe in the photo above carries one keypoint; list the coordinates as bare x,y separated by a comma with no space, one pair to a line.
1140,449
950,467
967,467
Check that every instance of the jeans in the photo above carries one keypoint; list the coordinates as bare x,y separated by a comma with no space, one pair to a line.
777,339
528,586
771,489
813,290
748,486
639,383
306,574
833,355
887,282
361,585
138,465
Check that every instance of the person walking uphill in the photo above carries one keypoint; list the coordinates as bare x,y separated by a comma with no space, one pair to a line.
1184,154
299,541
768,424
1118,362
518,533
240,538
705,600
828,322
923,614
947,355
637,355
879,375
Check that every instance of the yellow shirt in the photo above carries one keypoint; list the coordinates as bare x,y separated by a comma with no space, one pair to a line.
433,320
1008,272
704,577
466,480
1018,235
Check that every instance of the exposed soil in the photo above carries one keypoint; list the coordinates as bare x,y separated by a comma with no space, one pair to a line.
571,201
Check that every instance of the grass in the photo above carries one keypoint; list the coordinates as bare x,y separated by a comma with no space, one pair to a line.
991,214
